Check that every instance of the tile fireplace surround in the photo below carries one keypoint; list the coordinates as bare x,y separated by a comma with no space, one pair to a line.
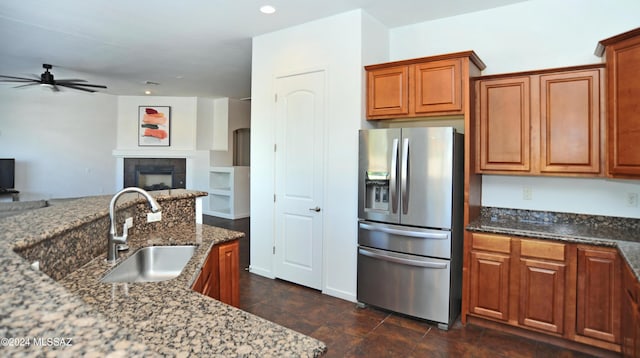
172,168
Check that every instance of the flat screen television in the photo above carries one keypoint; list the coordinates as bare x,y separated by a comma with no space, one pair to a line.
7,173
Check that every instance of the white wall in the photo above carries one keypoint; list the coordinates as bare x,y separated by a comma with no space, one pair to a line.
532,35
233,114
62,142
183,121
204,123
524,36
335,45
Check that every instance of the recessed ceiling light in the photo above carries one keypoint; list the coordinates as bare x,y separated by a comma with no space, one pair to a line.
267,9
147,92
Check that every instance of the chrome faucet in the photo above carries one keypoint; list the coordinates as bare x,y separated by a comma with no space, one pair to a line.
114,239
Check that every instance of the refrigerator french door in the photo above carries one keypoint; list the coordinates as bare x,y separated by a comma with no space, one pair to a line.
410,221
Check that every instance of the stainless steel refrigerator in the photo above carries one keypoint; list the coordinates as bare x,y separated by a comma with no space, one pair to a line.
410,234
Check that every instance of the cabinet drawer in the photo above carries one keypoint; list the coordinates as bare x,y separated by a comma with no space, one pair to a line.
495,243
542,249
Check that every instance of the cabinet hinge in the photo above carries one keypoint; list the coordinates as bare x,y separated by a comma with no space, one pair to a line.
275,147
274,250
275,97
274,198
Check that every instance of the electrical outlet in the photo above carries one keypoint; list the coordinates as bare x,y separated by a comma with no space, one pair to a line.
129,222
527,193
632,200
153,217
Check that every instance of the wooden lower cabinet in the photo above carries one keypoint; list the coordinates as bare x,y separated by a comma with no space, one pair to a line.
489,276
220,274
598,294
630,325
490,285
229,267
542,295
567,292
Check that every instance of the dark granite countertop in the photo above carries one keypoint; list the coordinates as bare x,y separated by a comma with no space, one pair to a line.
622,233
134,319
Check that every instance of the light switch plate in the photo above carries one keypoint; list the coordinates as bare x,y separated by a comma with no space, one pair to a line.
129,222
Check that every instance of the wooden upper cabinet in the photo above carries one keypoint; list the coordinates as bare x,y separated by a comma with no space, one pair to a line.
623,108
438,86
542,123
388,92
422,87
570,122
504,125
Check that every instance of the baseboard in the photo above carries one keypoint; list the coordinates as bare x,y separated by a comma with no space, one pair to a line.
347,296
541,337
261,272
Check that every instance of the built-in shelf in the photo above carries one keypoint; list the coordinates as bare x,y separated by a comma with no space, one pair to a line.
228,192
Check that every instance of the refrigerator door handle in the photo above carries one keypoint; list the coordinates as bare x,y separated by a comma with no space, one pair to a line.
393,186
408,233
381,255
404,176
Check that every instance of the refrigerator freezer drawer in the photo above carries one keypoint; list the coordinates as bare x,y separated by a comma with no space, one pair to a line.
411,285
417,241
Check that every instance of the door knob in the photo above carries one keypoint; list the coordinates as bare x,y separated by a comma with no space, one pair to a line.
316,209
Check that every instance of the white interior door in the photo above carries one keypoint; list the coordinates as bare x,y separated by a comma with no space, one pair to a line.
300,112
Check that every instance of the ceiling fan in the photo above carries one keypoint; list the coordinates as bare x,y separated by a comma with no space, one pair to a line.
46,78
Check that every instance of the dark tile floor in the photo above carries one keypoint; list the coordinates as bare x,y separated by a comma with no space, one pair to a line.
349,331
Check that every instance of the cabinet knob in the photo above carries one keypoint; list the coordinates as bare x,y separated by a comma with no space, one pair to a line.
316,209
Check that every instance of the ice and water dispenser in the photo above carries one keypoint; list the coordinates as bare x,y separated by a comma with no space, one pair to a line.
376,191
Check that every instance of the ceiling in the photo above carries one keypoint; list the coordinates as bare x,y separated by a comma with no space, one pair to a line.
190,47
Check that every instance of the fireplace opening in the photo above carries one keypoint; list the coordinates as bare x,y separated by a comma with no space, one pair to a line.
154,177
155,173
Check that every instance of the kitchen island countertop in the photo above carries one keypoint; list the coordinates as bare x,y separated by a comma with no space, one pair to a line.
91,318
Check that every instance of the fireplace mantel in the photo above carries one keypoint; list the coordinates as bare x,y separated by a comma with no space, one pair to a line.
153,153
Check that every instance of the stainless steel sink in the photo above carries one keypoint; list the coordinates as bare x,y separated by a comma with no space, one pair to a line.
152,264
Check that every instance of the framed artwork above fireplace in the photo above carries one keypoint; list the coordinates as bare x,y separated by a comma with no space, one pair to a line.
154,126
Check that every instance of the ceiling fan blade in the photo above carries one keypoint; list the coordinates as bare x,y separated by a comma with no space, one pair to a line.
20,81
19,78
28,84
71,80
76,87
83,85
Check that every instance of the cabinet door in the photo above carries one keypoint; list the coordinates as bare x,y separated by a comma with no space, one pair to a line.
489,285
388,92
503,130
542,295
570,122
623,108
229,273
598,294
629,319
209,274
438,86
628,325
